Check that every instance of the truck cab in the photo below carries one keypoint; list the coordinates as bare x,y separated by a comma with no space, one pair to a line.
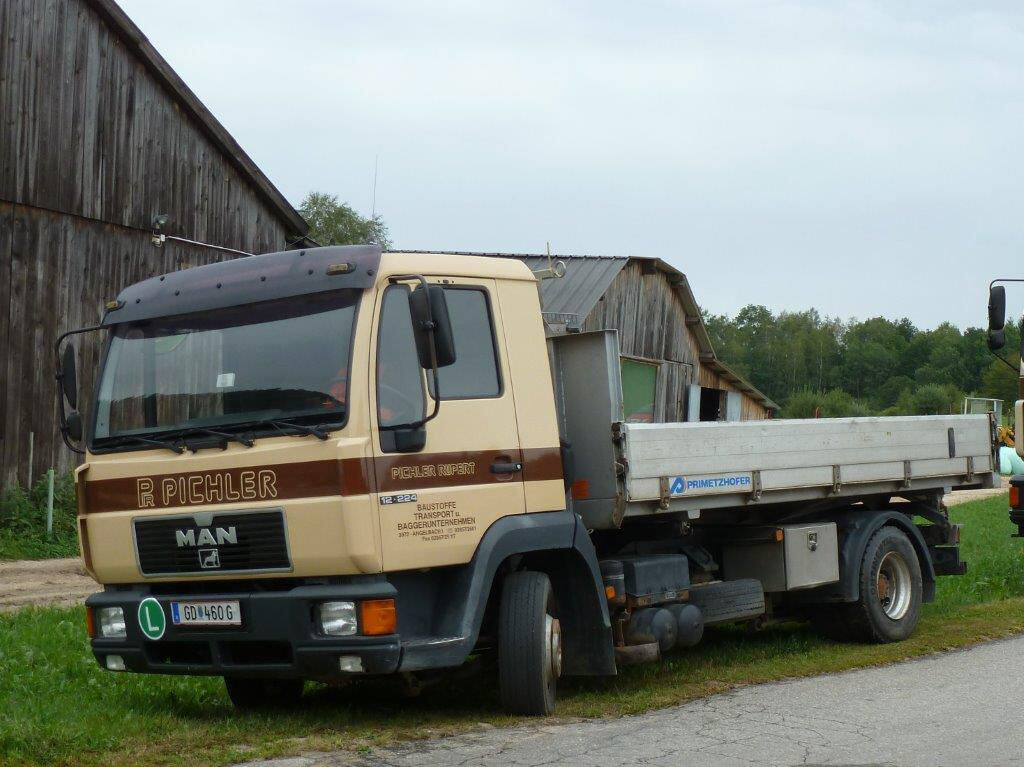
278,484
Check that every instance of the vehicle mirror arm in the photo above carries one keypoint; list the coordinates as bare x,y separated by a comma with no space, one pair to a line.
428,326
1005,361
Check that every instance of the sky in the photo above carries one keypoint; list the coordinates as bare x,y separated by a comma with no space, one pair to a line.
861,158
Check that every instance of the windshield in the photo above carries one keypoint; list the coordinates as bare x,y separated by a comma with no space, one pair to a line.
286,358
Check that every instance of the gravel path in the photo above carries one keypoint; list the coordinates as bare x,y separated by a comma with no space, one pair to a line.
43,582
963,496
961,708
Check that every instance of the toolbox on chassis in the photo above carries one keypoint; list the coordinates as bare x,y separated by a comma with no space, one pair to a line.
329,462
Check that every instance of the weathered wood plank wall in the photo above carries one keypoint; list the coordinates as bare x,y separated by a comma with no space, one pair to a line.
61,271
86,130
92,147
751,409
645,308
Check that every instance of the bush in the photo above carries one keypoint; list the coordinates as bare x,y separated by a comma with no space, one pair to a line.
831,404
23,521
936,399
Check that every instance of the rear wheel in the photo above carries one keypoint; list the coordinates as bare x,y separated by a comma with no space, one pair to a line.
890,590
263,693
529,644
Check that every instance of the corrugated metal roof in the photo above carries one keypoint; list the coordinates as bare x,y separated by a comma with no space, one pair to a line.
574,295
586,280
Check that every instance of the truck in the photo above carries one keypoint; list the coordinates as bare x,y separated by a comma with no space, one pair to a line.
337,462
996,342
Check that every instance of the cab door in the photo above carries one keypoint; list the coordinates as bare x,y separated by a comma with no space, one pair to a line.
436,502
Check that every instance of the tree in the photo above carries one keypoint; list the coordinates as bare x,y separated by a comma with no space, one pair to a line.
337,223
824,366
1000,382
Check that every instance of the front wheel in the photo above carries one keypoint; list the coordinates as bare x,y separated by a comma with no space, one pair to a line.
249,694
890,590
529,645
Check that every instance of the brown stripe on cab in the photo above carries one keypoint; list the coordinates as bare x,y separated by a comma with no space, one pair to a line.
310,479
281,481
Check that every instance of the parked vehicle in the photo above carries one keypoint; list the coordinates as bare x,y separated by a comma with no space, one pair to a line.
330,462
996,341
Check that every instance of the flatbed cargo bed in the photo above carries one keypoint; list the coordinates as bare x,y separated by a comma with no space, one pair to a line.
688,466
622,470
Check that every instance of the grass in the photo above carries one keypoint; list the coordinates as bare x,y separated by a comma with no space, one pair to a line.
23,521
59,708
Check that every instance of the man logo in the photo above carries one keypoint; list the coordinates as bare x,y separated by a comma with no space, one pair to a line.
206,537
209,559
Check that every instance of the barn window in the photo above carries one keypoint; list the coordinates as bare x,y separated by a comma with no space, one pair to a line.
639,384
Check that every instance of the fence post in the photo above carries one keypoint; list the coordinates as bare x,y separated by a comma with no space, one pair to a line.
31,446
49,503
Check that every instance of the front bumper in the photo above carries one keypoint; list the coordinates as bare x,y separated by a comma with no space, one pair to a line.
279,635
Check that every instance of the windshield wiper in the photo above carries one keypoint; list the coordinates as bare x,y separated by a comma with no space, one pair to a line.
177,447
247,441
281,423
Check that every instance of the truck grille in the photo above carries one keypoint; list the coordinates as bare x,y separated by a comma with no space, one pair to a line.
225,543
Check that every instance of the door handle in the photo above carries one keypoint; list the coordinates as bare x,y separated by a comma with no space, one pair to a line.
506,467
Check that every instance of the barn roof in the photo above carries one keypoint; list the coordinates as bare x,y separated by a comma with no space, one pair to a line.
570,299
139,45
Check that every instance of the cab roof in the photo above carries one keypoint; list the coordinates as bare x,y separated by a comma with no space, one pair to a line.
247,280
288,273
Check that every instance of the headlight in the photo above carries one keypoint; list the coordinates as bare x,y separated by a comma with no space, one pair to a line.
111,622
338,619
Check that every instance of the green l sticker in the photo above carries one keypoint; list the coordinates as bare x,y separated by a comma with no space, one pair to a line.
152,620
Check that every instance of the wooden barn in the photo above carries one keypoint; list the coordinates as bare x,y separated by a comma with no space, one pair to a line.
99,137
669,369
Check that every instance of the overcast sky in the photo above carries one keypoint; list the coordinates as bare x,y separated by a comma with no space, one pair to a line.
861,158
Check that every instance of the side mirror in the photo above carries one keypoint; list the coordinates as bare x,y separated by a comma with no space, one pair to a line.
73,425
69,377
430,319
996,339
996,307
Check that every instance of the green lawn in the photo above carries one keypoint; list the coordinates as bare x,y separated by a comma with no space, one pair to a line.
59,708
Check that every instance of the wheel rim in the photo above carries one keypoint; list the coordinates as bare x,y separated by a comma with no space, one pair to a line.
553,646
893,585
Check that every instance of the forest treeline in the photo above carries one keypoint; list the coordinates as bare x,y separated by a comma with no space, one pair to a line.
815,365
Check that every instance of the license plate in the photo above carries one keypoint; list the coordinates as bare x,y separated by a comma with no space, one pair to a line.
206,614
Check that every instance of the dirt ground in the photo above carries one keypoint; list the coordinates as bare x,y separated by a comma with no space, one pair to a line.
43,582
64,581
963,496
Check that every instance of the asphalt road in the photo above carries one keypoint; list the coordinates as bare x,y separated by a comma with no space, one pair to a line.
957,709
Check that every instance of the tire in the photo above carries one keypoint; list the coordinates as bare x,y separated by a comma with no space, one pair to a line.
529,645
250,694
890,591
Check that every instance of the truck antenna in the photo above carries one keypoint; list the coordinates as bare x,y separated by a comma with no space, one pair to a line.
373,206
553,269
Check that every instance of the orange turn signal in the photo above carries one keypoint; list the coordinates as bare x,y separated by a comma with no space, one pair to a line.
379,616
90,623
1015,496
